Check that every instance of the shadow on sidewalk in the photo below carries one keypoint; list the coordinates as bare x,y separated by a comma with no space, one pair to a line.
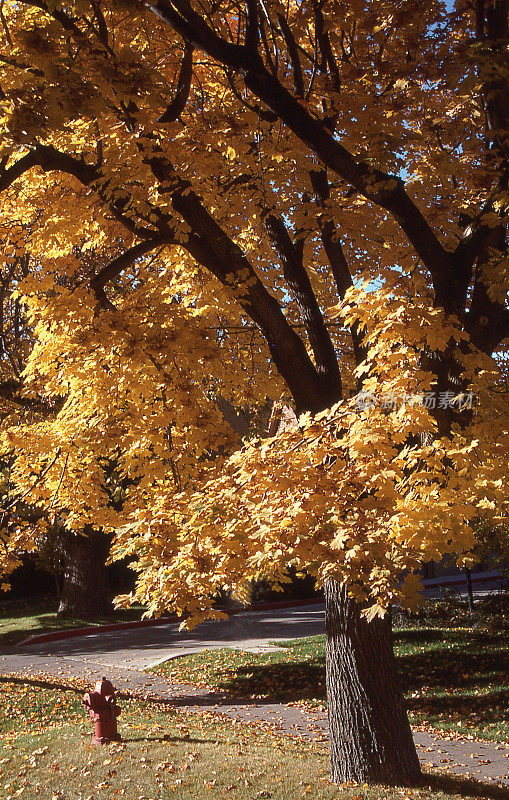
465,787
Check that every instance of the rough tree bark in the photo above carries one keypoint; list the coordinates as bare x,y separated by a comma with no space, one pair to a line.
370,736
85,587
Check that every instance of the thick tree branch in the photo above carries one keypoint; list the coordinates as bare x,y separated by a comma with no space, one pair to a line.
17,169
329,62
211,246
297,279
479,19
286,347
252,36
178,104
23,66
328,59
495,90
334,251
191,26
70,25
122,262
272,59
101,22
49,159
487,321
60,16
293,52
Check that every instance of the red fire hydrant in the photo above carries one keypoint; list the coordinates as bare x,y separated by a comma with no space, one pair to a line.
101,704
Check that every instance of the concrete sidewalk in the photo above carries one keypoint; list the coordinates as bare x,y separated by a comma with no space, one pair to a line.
122,660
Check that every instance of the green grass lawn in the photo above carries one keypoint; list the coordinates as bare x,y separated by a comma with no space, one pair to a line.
22,618
46,753
455,680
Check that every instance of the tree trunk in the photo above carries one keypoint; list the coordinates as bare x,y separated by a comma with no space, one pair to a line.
370,736
470,590
85,589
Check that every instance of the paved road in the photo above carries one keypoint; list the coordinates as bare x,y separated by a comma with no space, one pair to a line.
140,648
122,655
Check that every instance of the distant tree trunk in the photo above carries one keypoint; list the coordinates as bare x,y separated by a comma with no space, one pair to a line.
85,588
370,736
470,590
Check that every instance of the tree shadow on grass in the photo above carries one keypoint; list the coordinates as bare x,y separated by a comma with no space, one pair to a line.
15,609
44,611
466,659
469,663
42,683
280,682
417,635
482,705
486,713
465,787
48,683
433,634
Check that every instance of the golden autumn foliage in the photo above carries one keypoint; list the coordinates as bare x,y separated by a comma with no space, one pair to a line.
216,204
362,496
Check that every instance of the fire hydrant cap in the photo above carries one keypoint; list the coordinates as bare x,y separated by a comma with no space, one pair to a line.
104,687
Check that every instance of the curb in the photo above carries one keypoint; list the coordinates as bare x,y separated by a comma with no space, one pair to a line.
53,636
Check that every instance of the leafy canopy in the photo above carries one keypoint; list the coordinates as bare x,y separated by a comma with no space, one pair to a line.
215,206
